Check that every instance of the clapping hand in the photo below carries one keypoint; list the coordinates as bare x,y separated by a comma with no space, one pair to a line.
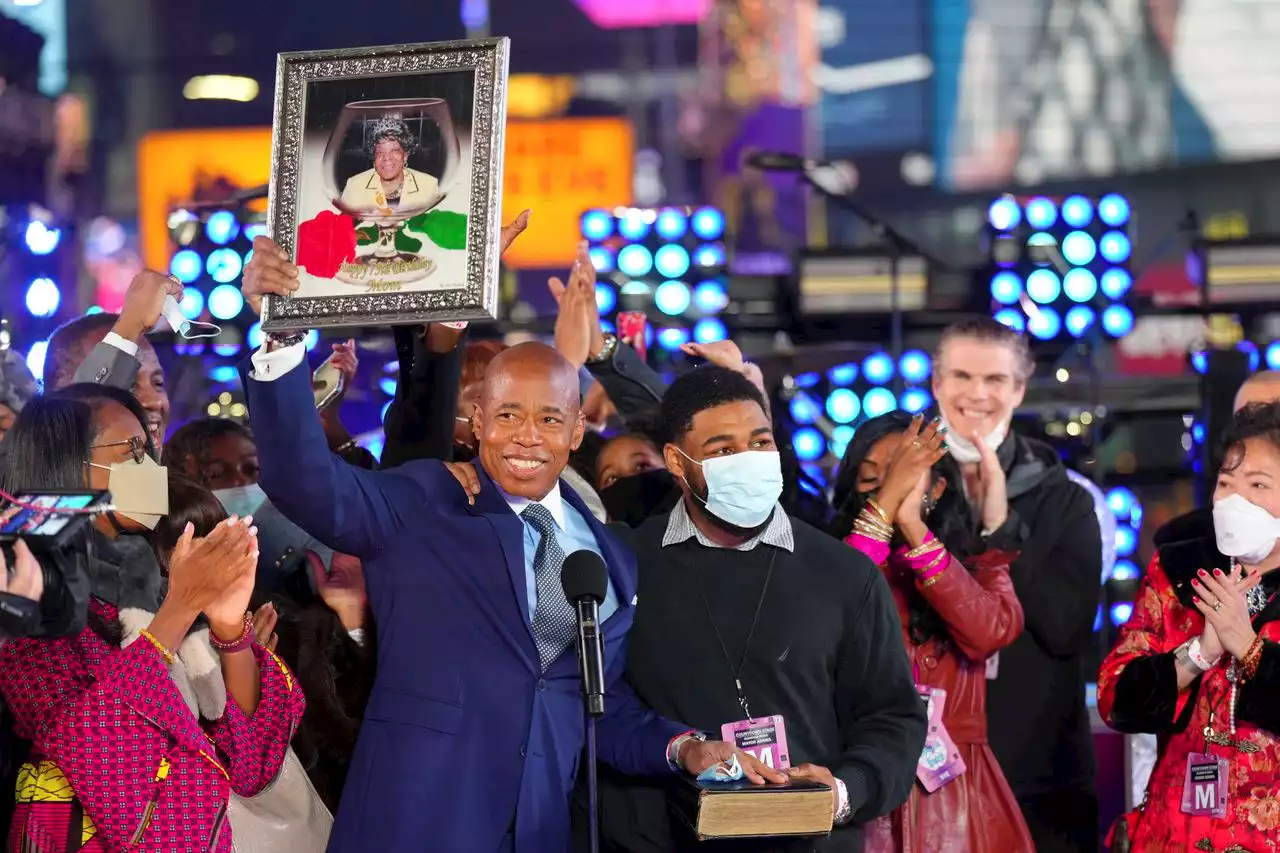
215,575
995,494
920,448
1226,613
578,333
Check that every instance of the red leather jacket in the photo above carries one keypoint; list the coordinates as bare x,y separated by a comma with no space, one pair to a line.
976,812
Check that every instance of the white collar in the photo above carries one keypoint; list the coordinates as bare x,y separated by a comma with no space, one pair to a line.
552,502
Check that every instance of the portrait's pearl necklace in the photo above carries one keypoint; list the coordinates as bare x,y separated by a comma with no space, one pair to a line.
1256,600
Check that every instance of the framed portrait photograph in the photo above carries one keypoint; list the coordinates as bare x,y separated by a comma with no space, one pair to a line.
386,183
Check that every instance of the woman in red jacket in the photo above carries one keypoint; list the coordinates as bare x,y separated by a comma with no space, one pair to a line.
955,620
118,760
1198,663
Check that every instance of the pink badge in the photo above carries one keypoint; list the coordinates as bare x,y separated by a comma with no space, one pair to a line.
940,762
1204,792
764,739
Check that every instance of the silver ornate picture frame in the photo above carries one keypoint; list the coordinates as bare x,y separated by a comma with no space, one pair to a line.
386,183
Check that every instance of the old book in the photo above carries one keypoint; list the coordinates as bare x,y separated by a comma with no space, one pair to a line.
743,810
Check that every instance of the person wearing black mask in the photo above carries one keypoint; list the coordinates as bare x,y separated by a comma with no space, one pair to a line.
632,479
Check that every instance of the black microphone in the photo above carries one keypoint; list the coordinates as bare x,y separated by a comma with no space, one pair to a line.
781,161
585,580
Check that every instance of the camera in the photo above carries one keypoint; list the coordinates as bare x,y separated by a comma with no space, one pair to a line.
52,524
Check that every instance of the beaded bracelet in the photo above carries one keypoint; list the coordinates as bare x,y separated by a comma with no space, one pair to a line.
160,647
244,641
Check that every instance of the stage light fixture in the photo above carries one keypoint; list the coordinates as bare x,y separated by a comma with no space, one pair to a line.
186,265
709,255
710,297
35,358
191,303
843,374
606,298
673,337
916,400
809,444
222,227
1012,318
914,366
671,261
840,438
1077,211
1079,319
843,406
1114,247
878,401
1041,213
671,224
877,368
1273,355
602,259
1080,285
225,301
43,297
803,409
224,265
597,225
1125,570
708,223
635,260
709,330
1079,248
634,224
1113,210
1117,320
1044,323
1120,613
1043,286
1006,287
672,297
40,238
1004,214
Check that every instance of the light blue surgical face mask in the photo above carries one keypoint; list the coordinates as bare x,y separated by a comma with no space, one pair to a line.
742,489
241,500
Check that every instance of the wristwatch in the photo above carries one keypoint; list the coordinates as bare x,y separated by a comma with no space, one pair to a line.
673,751
280,340
606,352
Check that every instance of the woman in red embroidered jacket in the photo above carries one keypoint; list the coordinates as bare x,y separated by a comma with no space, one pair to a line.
954,619
119,761
1198,664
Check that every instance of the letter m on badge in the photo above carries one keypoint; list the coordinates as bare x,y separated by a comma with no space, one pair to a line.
1205,797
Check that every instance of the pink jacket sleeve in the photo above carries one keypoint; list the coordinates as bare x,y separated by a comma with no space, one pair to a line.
254,746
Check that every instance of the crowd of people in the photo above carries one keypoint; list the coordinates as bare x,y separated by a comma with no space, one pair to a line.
294,646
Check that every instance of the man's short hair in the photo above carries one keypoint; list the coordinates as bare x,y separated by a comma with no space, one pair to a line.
991,331
702,388
70,344
390,128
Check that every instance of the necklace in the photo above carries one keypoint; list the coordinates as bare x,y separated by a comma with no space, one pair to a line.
1256,601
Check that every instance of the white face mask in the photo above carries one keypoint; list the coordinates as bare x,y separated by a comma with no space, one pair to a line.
1244,530
139,490
964,451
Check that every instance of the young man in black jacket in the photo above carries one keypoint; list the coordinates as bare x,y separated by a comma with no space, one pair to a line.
748,612
1023,502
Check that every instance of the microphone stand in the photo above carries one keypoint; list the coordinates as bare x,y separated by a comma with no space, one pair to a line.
593,785
894,244
591,668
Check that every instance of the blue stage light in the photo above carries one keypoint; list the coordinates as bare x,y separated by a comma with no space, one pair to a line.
1006,287
1114,247
224,265
254,230
803,409
224,374
916,400
1011,317
40,238
1080,285
634,224
312,340
673,337
388,385
1077,211
672,297
807,380
602,259
1041,213
709,255
709,330
877,368
671,224
708,223
43,297
1252,349
809,444
635,261
1273,355
914,366
1043,286
840,438
191,303
1097,620
609,329
1004,214
1197,432
1117,320
222,227
248,256
843,374
386,407
1115,283
606,298
1200,362
1044,323
254,337
1121,501
843,406
1125,570
597,225
1113,210
186,265
93,309
225,301
671,261
1120,613
1078,249
1126,540
710,297
1079,320
35,358
877,401
226,350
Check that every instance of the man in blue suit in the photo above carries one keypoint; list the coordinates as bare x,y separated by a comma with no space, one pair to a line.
472,735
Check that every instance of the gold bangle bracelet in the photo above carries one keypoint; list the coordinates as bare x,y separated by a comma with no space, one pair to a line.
927,548
879,510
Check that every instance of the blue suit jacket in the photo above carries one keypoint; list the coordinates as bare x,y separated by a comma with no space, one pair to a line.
464,737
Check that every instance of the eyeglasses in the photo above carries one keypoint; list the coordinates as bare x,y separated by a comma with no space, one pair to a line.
137,447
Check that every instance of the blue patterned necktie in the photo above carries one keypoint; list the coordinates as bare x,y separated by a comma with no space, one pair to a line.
554,623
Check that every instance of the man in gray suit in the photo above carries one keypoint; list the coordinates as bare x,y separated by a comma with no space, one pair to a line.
112,349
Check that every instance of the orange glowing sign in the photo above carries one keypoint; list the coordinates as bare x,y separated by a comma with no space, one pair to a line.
178,166
559,168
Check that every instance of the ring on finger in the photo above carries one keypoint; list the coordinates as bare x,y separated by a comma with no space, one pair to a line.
1217,605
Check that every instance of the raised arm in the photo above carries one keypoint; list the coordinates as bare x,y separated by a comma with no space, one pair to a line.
349,509
419,423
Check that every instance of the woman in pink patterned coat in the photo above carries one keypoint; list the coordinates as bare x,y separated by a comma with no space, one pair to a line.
118,760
